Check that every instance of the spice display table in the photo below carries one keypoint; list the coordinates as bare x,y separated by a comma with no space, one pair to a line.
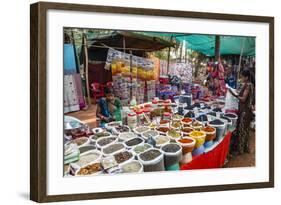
212,159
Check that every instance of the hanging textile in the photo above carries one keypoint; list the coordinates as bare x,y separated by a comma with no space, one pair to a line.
182,70
69,65
163,67
78,83
71,98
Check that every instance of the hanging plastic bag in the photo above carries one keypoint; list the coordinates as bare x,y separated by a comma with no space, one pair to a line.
231,102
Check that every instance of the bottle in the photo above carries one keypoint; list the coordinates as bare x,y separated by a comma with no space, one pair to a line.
132,120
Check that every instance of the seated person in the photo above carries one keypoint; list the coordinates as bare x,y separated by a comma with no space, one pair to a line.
109,108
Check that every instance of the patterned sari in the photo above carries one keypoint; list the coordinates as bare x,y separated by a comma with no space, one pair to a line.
240,139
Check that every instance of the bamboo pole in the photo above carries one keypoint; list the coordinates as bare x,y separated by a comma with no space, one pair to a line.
86,69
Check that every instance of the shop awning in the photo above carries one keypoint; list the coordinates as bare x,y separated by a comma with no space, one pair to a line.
229,45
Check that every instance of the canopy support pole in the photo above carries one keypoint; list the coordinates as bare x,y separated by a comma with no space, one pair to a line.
185,52
75,53
169,51
217,48
86,69
240,59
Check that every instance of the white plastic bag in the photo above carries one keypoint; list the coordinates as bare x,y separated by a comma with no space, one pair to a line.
231,102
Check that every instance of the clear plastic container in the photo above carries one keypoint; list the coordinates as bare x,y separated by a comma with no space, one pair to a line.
132,120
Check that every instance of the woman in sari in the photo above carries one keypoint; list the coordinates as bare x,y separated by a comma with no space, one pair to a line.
240,139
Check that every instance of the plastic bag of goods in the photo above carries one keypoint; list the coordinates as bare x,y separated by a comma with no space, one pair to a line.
231,102
172,156
152,160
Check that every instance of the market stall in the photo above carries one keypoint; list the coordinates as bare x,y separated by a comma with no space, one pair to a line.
154,136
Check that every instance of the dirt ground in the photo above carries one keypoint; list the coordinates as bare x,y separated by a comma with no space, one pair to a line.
246,160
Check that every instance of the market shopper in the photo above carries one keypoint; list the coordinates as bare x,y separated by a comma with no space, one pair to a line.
230,77
109,108
240,139
219,82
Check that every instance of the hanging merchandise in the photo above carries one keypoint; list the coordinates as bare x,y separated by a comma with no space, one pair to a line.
137,71
182,70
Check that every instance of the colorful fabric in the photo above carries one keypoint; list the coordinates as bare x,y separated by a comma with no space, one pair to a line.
69,65
212,159
79,90
71,99
219,82
183,70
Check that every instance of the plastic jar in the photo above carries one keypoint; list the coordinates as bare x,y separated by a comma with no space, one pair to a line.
140,117
154,104
167,116
132,120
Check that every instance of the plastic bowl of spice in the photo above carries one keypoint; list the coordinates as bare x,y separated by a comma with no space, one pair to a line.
91,169
174,134
149,133
199,136
120,129
126,135
187,144
161,140
227,122
210,133
133,166
105,141
220,127
177,117
141,148
186,131
190,114
109,126
123,156
86,148
203,119
172,155
196,125
152,160
86,158
93,138
164,123
108,162
233,118
162,130
82,141
141,129
176,125
131,143
113,148
186,121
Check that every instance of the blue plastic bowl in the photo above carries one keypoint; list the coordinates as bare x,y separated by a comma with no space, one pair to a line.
198,151
208,144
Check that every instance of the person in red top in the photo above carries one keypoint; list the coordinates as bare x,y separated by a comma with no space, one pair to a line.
219,81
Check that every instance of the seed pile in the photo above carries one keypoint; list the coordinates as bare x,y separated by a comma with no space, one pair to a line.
122,156
150,155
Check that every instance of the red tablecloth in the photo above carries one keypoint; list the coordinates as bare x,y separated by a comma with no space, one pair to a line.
212,159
